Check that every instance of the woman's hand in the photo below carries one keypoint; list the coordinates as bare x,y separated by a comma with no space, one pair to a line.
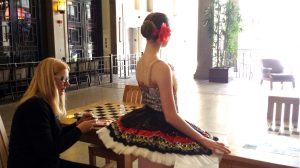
103,122
87,125
85,117
216,147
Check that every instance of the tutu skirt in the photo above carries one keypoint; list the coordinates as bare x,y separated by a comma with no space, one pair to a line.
144,132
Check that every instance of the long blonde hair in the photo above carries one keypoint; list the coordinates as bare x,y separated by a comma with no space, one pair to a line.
43,85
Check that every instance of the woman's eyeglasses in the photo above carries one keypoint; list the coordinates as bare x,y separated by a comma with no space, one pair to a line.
62,79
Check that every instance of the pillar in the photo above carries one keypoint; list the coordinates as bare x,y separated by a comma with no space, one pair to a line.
204,49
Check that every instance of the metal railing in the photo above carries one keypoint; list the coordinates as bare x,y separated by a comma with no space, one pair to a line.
125,66
244,67
15,78
98,70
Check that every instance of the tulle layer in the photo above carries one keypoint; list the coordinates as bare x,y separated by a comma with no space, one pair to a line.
168,159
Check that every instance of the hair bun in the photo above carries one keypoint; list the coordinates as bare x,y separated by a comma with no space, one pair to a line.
147,29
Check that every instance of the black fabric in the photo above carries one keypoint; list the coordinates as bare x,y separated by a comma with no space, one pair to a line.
148,119
154,123
69,164
37,138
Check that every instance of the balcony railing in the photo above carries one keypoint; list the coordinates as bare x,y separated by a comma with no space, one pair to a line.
16,77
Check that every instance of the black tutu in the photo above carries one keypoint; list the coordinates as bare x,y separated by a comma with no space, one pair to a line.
144,132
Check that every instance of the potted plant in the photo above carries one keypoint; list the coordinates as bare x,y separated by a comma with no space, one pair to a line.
223,24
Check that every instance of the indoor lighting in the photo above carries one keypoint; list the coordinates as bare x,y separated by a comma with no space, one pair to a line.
61,6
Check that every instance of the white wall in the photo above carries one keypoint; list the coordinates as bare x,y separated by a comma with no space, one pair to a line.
106,27
60,33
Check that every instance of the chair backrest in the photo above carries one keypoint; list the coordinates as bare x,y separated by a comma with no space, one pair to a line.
32,70
93,65
132,94
21,73
3,144
282,113
274,64
4,75
83,66
73,67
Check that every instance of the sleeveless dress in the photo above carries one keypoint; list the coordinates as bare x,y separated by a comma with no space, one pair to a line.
144,132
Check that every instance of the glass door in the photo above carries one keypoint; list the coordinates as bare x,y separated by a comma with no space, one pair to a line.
82,34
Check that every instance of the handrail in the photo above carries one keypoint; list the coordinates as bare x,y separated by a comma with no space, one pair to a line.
19,63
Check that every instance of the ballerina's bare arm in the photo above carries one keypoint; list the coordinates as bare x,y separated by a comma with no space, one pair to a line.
162,76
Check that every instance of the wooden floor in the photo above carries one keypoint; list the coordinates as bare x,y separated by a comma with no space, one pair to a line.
237,108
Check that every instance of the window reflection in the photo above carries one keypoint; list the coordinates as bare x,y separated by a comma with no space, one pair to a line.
4,7
23,14
81,27
23,9
74,11
71,11
5,28
75,36
88,12
24,21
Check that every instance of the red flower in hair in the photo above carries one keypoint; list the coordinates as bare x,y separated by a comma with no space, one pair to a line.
163,34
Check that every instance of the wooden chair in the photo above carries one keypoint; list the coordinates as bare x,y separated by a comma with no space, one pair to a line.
21,80
5,82
3,144
132,94
94,70
73,74
83,73
283,114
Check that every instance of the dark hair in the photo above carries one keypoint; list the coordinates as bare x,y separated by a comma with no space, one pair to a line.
152,22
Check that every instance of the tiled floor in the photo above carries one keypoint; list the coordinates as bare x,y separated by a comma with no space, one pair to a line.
221,109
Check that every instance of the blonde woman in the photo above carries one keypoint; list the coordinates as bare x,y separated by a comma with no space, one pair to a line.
36,137
156,133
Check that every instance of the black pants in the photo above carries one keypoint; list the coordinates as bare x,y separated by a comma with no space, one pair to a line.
69,164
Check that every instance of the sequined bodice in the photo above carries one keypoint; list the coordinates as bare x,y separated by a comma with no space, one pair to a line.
151,97
150,92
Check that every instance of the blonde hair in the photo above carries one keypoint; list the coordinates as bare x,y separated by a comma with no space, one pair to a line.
43,85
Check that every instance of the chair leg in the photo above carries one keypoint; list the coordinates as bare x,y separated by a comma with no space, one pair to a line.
261,81
77,84
271,85
92,157
293,82
110,165
89,80
99,78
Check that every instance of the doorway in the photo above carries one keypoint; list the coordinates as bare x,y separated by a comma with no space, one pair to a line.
83,23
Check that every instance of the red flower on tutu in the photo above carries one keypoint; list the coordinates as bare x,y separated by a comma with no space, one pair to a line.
163,34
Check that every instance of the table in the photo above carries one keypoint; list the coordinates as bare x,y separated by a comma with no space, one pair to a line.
103,109
243,153
263,151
